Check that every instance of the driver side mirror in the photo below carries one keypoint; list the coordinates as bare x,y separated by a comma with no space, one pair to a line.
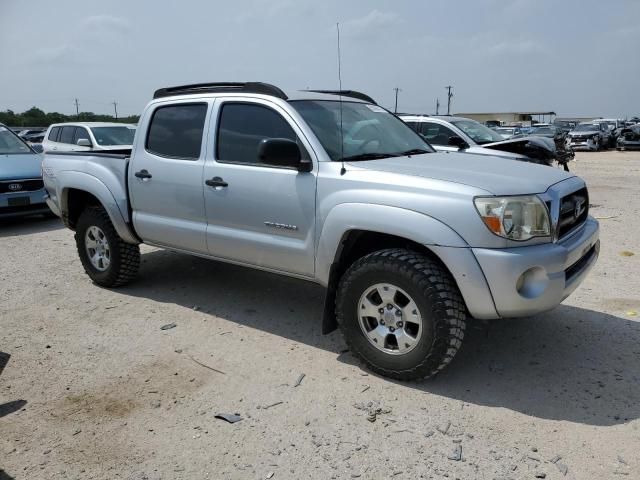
83,142
282,152
458,142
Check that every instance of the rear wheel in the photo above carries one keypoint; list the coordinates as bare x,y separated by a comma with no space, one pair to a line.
401,313
108,260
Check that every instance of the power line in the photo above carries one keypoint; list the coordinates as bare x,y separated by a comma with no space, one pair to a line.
449,95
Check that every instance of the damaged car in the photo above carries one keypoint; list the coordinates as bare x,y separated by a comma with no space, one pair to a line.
587,136
459,134
629,138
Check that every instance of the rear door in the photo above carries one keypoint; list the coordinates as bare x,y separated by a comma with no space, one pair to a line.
165,176
262,215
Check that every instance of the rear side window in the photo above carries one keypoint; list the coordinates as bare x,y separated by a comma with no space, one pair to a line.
242,126
66,136
176,131
53,134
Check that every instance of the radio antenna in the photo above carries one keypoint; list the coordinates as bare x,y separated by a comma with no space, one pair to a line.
342,170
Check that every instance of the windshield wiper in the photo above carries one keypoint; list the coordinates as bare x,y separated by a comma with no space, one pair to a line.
367,156
414,151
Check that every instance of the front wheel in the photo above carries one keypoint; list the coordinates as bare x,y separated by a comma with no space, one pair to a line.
401,312
108,260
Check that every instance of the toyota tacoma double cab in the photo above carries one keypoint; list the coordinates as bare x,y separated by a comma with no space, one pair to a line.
327,186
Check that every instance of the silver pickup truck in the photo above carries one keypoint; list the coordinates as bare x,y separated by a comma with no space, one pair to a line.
329,187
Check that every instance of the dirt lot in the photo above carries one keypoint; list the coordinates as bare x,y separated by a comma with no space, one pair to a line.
95,389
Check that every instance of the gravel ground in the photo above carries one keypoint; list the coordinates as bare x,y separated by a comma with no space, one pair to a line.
94,388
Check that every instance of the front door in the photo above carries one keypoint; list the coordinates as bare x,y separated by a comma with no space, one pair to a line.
258,214
165,177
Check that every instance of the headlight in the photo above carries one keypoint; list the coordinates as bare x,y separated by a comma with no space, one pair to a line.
515,218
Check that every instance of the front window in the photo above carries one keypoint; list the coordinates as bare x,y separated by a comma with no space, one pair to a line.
478,132
111,136
367,130
10,144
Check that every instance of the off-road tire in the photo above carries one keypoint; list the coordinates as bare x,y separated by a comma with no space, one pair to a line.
434,291
125,257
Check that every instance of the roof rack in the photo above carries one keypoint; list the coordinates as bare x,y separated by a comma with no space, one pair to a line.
245,87
347,93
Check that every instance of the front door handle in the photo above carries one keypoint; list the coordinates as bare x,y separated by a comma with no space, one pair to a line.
216,182
143,174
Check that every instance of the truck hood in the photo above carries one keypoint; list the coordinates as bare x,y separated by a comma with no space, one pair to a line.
495,175
19,166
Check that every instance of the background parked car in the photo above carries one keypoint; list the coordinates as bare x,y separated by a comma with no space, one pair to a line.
21,187
30,131
586,136
508,132
452,134
629,138
82,136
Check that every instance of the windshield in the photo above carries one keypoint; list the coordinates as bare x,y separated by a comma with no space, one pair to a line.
478,132
586,127
366,130
11,144
107,136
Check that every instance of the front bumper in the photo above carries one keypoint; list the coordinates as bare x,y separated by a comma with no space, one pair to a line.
31,203
529,280
583,144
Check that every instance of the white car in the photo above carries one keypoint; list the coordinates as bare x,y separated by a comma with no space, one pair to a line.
83,136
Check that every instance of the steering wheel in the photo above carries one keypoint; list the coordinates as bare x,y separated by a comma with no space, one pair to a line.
363,147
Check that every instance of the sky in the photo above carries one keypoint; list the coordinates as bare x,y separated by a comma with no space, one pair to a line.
574,57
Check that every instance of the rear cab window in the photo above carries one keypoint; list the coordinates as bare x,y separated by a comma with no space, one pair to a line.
175,131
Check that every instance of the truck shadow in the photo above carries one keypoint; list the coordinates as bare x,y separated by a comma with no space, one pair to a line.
13,227
569,364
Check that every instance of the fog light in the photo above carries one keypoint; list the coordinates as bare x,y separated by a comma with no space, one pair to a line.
533,282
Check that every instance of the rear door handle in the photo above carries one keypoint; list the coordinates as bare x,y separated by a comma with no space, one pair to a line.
216,182
143,174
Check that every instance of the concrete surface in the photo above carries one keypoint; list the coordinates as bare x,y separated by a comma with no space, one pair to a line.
94,389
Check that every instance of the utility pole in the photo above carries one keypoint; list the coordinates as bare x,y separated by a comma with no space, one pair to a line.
437,106
77,109
115,109
449,95
395,109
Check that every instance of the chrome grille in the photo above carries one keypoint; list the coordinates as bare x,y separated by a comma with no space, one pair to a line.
574,210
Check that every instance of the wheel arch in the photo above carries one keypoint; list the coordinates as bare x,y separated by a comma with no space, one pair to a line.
77,194
365,229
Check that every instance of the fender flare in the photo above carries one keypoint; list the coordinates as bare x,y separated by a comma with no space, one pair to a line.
397,221
92,185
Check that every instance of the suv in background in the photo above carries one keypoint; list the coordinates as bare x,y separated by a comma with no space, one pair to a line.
588,136
85,136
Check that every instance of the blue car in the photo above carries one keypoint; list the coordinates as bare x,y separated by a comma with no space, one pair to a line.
21,188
